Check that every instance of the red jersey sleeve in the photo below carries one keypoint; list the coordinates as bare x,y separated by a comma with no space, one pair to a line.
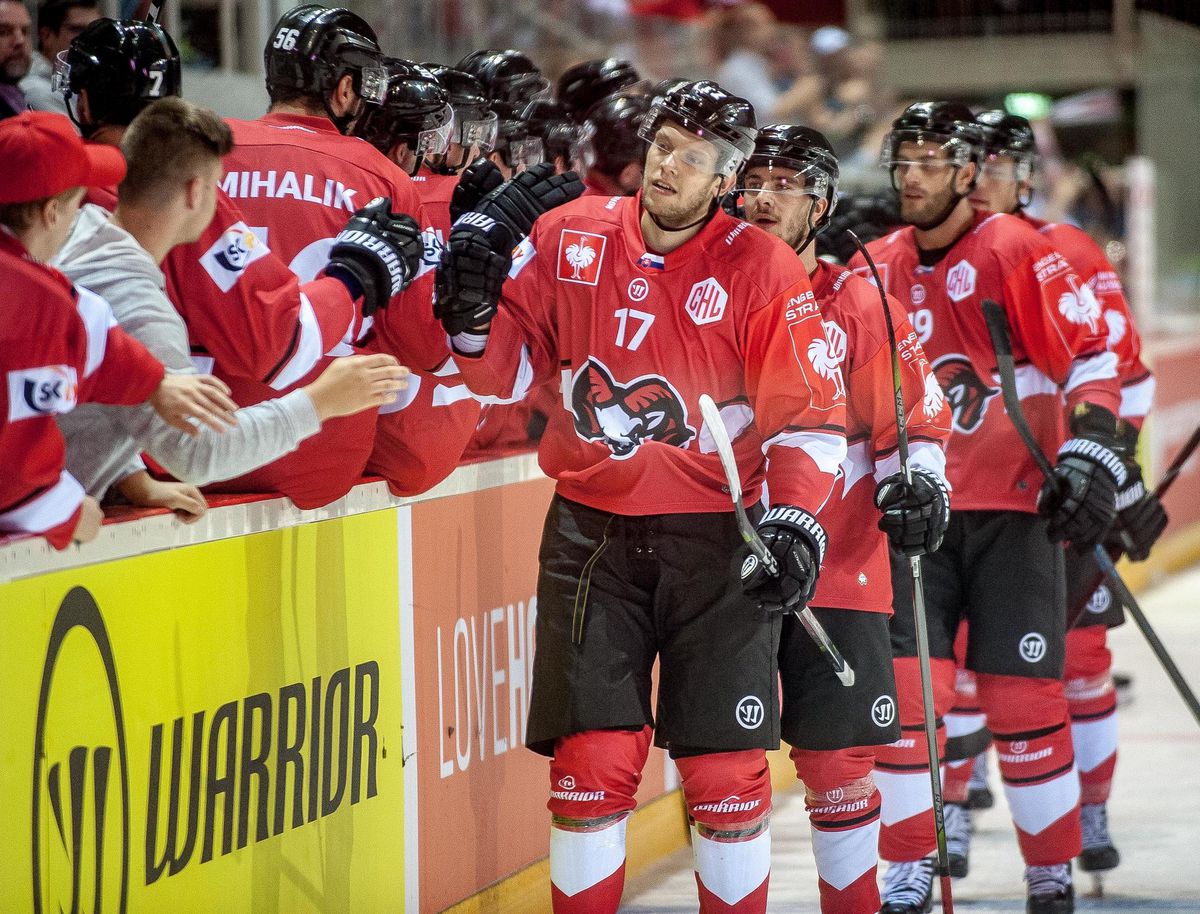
1058,326
246,308
794,382
521,344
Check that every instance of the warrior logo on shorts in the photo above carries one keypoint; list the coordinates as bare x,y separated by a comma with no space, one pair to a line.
1100,600
1032,647
750,713
626,416
967,394
883,712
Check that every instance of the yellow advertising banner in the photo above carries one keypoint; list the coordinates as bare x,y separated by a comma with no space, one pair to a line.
210,728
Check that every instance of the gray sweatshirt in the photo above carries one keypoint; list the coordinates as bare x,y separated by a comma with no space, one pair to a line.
103,442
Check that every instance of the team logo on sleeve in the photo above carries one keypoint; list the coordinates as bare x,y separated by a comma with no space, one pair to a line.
1080,305
966,393
45,391
934,398
960,280
236,249
626,416
827,353
706,302
580,256
1118,326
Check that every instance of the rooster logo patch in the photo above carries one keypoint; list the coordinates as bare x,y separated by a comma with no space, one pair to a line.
626,416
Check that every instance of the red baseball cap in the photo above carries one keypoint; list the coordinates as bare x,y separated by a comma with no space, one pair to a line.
41,155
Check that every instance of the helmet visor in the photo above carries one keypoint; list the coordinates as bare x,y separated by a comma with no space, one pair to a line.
583,148
1006,167
481,133
920,148
525,153
60,79
672,135
436,140
785,178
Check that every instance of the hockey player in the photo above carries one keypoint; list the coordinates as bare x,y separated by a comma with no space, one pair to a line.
566,143
1005,185
619,151
59,345
510,80
248,317
941,267
790,190
639,305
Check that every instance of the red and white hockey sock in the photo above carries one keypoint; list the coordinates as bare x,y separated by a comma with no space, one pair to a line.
902,767
1028,718
1092,702
593,779
843,815
966,732
728,797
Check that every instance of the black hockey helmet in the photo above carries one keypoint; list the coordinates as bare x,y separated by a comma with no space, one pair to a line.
312,47
708,111
583,85
124,64
799,160
412,108
509,78
869,215
561,136
1011,136
941,125
475,123
616,121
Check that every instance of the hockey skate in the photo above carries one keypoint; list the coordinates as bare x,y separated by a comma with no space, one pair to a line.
1099,855
959,829
1049,889
979,794
908,887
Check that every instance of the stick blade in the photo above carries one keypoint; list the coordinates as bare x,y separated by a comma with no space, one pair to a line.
720,437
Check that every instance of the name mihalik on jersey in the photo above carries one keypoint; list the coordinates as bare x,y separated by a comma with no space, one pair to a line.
252,184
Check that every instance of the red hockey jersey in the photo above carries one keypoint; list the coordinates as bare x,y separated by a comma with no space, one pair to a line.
1059,346
1137,383
856,573
300,180
636,338
59,347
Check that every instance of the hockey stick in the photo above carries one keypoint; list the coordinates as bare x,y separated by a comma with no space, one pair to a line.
997,325
816,631
920,620
147,11
1075,615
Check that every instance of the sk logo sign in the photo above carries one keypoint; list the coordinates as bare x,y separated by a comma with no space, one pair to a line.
80,804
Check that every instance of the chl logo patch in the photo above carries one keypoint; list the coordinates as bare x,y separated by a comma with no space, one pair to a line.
750,713
580,256
883,711
960,281
231,254
1032,647
706,302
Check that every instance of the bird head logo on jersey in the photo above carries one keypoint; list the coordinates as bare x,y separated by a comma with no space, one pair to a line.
827,353
966,393
1080,305
625,416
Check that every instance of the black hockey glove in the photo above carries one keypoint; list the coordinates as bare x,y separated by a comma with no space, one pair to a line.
916,514
1141,517
478,179
474,265
1080,499
797,542
378,252
519,201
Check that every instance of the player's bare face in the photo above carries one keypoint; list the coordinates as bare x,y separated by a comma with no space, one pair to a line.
997,190
927,182
680,180
777,203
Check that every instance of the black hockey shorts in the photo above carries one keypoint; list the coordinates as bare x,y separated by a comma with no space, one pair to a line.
615,593
1101,606
818,711
999,572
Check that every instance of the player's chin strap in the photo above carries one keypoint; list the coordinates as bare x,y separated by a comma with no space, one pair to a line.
919,615
712,211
